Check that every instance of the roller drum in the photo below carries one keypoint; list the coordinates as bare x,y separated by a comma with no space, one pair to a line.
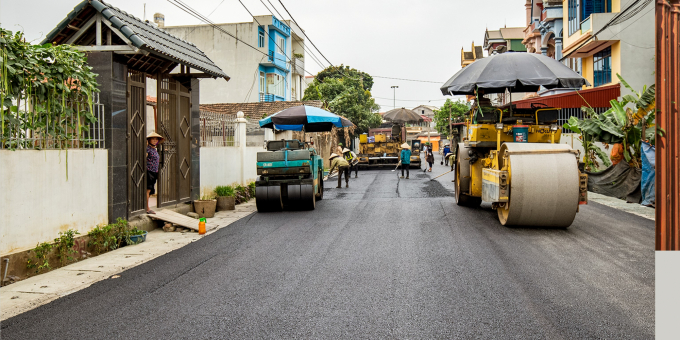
544,187
268,198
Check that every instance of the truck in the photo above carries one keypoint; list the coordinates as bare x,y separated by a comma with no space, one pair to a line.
380,152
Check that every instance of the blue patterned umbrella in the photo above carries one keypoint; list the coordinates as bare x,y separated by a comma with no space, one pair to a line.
309,118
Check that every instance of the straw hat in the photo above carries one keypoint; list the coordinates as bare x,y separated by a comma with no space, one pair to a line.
405,146
155,135
333,155
345,150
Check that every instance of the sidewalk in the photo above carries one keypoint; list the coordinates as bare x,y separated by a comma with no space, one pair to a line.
38,290
633,208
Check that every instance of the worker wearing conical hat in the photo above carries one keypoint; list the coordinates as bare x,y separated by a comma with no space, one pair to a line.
152,165
353,161
405,159
341,164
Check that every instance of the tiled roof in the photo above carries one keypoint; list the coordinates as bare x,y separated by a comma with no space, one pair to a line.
152,100
146,36
512,33
494,34
253,112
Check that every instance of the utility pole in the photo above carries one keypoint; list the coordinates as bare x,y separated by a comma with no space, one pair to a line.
394,98
450,122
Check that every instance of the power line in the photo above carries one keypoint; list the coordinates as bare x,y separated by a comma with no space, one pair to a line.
303,32
412,100
420,81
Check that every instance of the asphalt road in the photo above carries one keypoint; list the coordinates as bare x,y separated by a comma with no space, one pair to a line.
386,258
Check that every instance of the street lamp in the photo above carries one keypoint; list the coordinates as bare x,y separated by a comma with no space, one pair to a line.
394,99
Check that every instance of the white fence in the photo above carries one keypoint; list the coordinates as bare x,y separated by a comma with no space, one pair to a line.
218,130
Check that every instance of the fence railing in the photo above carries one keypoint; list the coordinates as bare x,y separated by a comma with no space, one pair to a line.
218,130
31,128
564,114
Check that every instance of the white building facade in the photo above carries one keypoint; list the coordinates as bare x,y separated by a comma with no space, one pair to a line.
270,69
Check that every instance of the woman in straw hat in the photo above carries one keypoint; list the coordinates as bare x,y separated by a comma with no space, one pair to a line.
342,166
152,164
405,159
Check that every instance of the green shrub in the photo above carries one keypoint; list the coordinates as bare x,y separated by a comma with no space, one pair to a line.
103,238
224,191
251,187
64,246
39,261
242,194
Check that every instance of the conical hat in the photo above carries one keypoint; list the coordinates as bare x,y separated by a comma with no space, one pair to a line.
155,135
405,146
345,150
333,155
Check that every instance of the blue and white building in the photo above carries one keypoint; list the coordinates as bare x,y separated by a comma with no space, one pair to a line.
270,69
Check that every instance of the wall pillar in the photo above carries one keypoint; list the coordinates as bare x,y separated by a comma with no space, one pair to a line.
241,138
558,48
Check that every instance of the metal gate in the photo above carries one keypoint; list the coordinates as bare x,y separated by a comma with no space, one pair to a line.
174,124
136,142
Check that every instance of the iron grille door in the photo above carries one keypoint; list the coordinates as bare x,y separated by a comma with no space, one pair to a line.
167,125
136,143
184,144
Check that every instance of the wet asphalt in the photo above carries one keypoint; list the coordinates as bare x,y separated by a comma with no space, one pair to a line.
385,258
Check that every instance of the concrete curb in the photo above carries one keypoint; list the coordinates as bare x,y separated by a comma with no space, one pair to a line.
613,202
38,290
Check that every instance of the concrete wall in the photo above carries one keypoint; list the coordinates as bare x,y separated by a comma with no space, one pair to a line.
38,201
222,165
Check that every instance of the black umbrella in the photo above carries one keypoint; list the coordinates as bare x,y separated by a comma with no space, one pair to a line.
402,115
515,71
309,118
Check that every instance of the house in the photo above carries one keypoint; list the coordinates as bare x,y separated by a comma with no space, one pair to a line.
467,58
606,37
266,65
510,38
427,111
543,33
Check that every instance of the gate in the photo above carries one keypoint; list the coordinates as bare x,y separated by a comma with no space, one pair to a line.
136,145
174,124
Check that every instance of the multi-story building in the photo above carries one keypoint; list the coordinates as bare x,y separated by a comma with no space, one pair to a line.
467,58
606,37
508,37
543,33
270,69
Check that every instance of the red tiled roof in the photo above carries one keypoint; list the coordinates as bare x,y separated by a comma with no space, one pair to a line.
256,111
595,97
150,99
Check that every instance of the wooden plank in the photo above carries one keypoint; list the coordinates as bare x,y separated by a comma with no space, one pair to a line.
179,219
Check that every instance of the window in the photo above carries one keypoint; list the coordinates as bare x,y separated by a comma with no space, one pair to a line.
260,37
281,45
574,22
262,83
595,6
602,67
275,84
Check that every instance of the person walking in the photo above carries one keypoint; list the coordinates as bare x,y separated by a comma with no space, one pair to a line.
152,165
430,158
353,161
447,151
405,159
341,164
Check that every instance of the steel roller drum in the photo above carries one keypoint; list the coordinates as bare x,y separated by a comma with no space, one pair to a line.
544,187
268,198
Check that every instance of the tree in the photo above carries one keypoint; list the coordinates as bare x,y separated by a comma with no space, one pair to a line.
346,92
458,109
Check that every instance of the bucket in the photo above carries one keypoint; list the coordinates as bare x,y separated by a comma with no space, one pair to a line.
520,133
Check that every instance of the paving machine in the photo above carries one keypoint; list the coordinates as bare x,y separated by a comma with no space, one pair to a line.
383,153
291,176
512,159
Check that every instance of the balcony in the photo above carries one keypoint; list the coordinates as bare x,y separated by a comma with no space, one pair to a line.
280,27
280,61
586,25
299,66
551,13
267,98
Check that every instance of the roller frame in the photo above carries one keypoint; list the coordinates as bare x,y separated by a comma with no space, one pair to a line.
463,183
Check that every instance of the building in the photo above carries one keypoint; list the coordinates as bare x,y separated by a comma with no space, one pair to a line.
508,37
467,58
427,111
543,33
270,69
606,37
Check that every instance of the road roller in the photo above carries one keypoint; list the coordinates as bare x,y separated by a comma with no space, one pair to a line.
290,176
512,159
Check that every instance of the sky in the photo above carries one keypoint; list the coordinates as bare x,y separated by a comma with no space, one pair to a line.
418,40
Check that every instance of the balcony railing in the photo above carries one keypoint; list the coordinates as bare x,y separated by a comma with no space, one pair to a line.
298,66
267,98
586,25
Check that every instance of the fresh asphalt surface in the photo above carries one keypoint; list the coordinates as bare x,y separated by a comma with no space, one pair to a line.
386,258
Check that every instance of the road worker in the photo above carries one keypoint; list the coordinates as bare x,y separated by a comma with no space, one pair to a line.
353,161
405,159
341,164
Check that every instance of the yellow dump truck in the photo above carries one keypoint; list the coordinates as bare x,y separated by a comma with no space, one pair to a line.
381,152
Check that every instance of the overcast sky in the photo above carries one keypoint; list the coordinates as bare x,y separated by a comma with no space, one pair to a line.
402,39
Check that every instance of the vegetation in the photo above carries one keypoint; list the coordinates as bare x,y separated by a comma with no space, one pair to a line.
39,259
346,92
43,81
64,246
458,109
618,125
224,191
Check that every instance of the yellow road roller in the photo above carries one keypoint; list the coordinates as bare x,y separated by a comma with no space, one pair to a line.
512,159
